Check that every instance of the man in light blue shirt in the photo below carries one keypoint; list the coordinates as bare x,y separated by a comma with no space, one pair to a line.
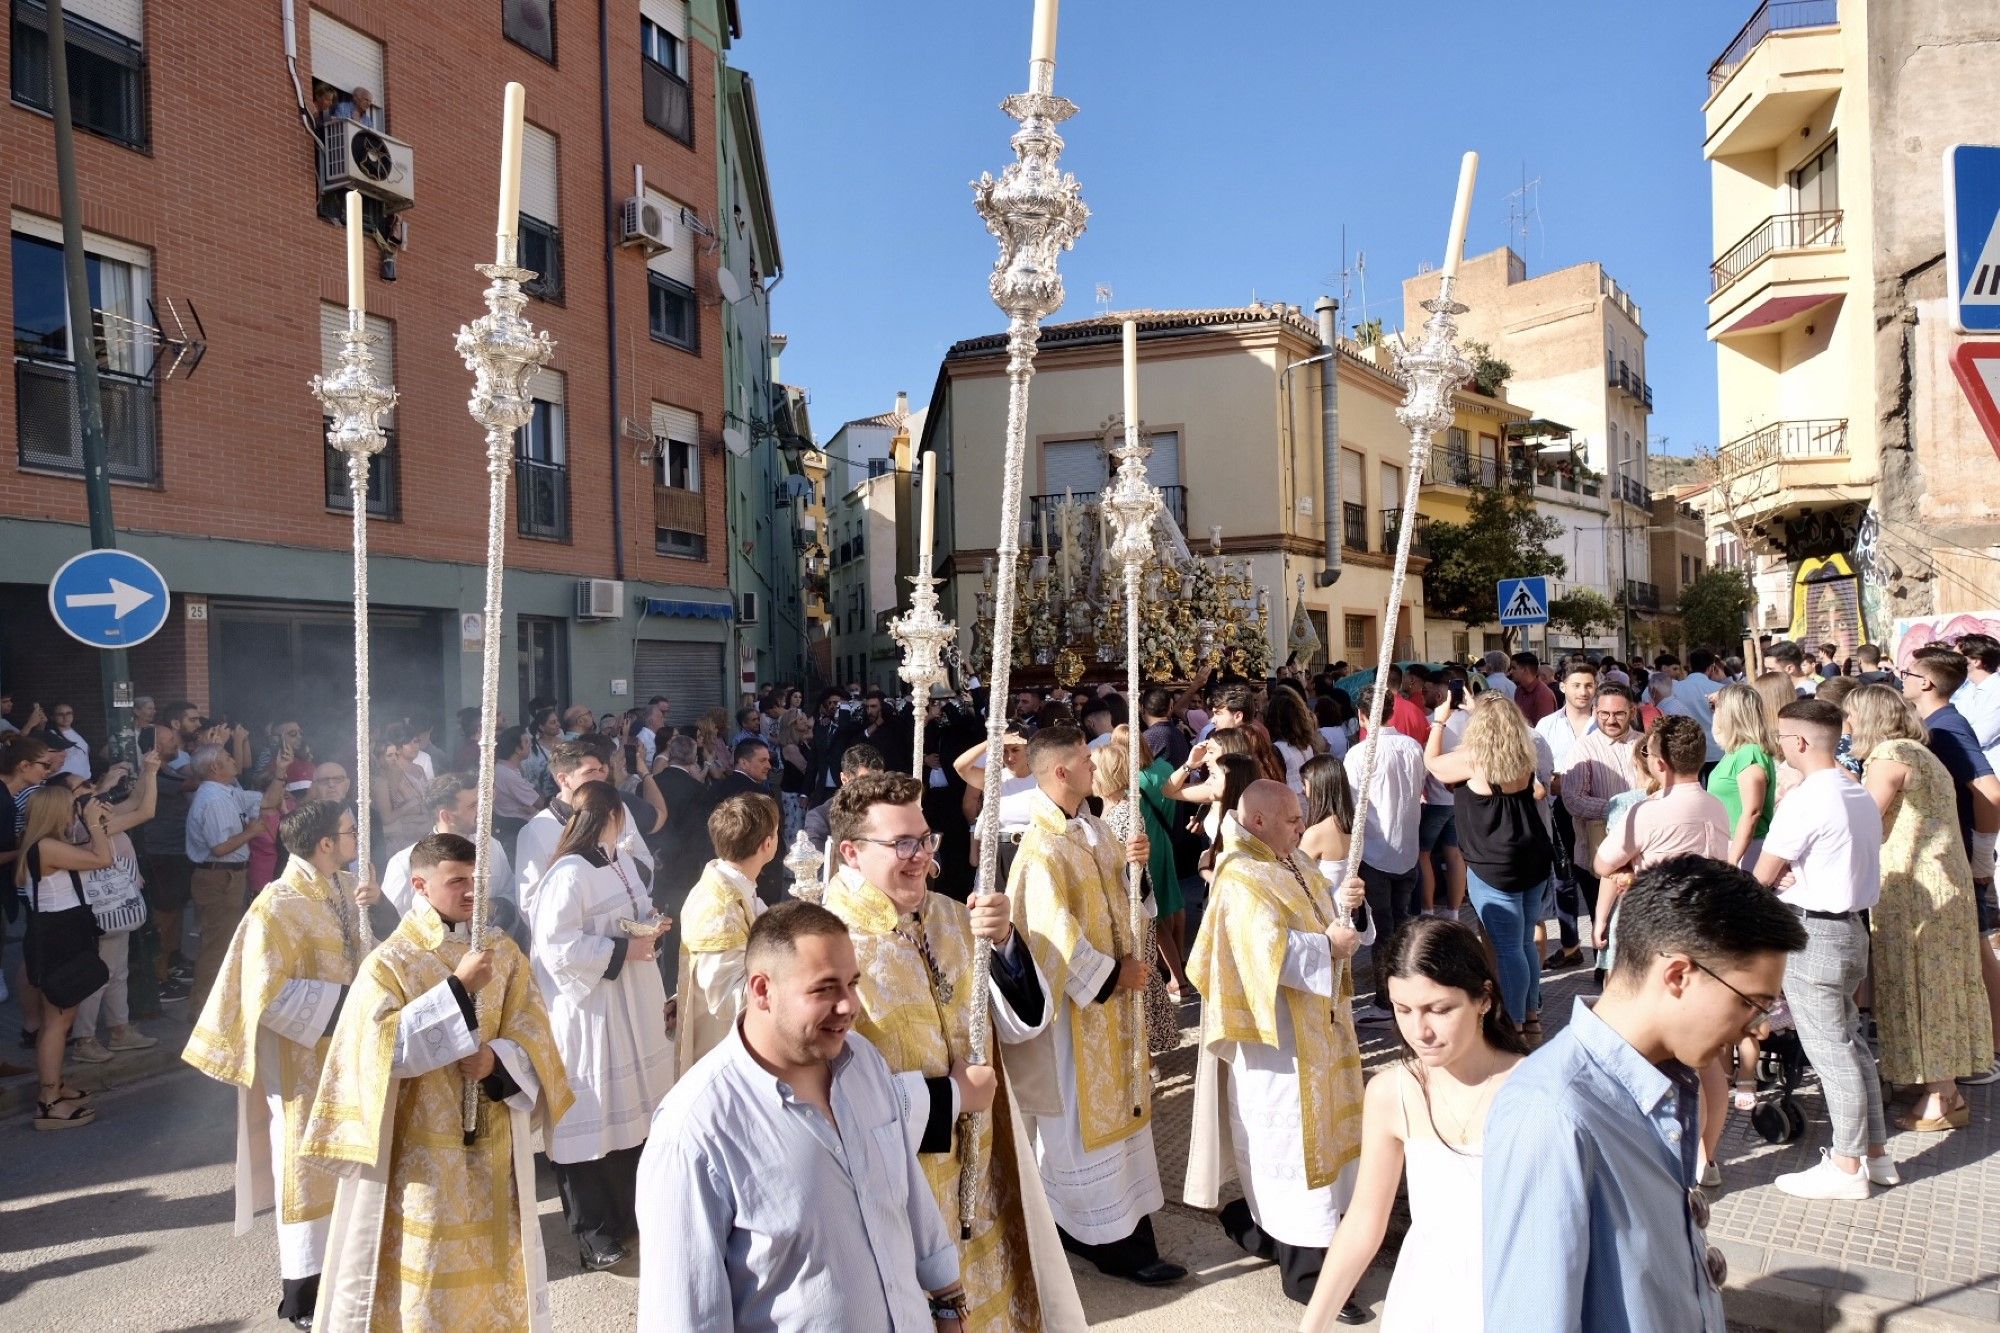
778,1189
1590,1213
221,821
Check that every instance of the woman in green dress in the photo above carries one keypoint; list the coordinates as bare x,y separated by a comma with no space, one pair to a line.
1930,1006
1746,779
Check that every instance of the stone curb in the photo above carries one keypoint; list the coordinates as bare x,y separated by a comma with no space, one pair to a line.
17,1095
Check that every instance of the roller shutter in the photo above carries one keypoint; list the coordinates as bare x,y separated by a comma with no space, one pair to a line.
689,674
540,195
346,58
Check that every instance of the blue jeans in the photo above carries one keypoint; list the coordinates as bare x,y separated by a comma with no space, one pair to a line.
1509,922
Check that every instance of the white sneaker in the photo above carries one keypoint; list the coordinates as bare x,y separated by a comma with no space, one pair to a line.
1990,1075
1882,1170
1711,1176
89,1051
1825,1181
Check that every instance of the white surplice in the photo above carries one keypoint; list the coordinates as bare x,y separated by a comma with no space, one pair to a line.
611,1032
535,847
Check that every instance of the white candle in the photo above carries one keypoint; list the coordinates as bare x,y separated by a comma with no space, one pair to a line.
1215,537
1461,212
926,465
510,170
1042,531
1045,31
1063,539
357,279
1131,375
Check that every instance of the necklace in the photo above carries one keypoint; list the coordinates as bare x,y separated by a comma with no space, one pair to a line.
1461,1125
638,911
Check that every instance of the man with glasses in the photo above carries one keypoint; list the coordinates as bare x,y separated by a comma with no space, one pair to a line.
1827,835
915,950
1601,764
264,1028
1597,1131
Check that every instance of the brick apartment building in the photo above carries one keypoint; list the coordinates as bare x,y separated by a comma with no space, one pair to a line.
200,168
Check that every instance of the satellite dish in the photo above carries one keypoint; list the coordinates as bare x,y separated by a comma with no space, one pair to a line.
731,288
735,441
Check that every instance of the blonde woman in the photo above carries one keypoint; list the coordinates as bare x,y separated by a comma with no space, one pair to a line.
62,932
1509,856
1746,780
1930,1006
1775,688
1108,775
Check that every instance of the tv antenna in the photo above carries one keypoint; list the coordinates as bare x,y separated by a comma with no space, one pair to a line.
1103,298
1524,207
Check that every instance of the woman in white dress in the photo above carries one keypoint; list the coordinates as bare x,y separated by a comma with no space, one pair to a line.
1329,815
1427,1114
608,1012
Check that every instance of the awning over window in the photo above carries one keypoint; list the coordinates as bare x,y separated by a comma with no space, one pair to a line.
660,606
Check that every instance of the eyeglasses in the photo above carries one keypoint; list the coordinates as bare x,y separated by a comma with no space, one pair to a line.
906,848
1784,736
1908,674
1761,1022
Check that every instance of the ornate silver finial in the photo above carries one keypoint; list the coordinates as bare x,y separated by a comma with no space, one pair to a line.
804,862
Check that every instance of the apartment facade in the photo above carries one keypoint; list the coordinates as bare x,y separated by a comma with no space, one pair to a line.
870,489
213,145
1236,446
1850,459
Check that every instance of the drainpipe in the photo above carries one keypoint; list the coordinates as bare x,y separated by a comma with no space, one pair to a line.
1326,308
611,292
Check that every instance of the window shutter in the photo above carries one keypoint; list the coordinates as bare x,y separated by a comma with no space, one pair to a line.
668,15
1163,465
1072,465
1350,478
677,262
689,674
1392,486
127,18
333,327
676,423
547,386
539,176
346,58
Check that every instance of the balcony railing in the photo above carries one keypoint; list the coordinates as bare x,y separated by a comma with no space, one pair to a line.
1784,441
541,499
1626,378
1781,231
1042,509
49,429
1353,526
1392,527
1642,596
1457,467
1771,16
669,100
1633,492
382,468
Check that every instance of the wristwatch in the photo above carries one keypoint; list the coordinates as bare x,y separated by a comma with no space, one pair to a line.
949,1305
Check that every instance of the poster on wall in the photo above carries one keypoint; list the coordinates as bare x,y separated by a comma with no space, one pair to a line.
1914,632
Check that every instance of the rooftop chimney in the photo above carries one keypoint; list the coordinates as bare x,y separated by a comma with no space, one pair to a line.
902,402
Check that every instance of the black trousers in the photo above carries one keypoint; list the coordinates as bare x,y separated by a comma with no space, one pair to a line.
1118,1257
599,1196
301,1295
1576,887
1298,1265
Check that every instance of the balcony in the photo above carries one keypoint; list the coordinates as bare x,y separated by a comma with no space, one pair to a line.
1392,527
1787,467
1353,527
1042,509
669,100
1783,65
1632,491
1642,596
49,429
541,499
1784,442
1457,467
1788,266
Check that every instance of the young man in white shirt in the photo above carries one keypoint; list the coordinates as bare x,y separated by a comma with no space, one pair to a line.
1561,730
1828,835
1390,843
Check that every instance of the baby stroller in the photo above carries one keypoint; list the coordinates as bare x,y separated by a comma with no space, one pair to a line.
1781,1063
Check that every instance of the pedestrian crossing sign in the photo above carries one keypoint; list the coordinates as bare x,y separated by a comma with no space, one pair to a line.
1524,601
1972,235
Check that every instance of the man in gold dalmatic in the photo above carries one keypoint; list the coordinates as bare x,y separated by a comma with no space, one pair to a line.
1085,1082
1278,1086
430,1231
915,951
265,1027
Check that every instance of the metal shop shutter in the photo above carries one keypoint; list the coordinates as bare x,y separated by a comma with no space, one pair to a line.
689,674
540,199
333,327
346,58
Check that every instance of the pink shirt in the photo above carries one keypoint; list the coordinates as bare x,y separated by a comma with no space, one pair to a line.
1685,821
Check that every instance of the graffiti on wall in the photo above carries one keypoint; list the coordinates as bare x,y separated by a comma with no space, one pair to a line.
1914,632
1827,604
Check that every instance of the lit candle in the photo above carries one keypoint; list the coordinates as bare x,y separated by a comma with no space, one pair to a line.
510,171
357,280
1461,212
1045,31
1131,375
926,465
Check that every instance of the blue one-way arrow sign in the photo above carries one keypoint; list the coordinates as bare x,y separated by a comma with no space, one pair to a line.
108,599
1524,601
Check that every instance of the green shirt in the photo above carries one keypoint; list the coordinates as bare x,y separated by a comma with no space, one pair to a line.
1723,785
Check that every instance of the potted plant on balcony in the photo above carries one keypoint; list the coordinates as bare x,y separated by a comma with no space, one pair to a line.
1489,373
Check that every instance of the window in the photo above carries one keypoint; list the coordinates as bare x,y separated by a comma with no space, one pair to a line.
1686,572
541,470
49,428
663,67
541,214
1816,184
680,517
530,23
1359,634
349,61
107,64
881,467
542,651
383,499
671,313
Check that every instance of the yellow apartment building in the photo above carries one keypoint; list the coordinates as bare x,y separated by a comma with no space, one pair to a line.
1849,452
1237,445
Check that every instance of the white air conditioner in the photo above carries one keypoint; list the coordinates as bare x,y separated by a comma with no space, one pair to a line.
746,611
645,224
358,158
600,599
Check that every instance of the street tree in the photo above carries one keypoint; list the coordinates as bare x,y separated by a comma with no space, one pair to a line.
1713,607
1504,536
1583,613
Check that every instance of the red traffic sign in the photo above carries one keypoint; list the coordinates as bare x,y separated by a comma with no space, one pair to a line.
1977,366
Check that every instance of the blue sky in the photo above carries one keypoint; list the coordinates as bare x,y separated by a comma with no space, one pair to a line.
1221,147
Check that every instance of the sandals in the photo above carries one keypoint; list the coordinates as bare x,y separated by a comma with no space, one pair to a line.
1958,1117
46,1117
1532,1030
1745,1096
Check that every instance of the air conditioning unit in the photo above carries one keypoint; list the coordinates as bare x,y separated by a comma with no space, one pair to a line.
746,610
645,224
358,158
600,599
